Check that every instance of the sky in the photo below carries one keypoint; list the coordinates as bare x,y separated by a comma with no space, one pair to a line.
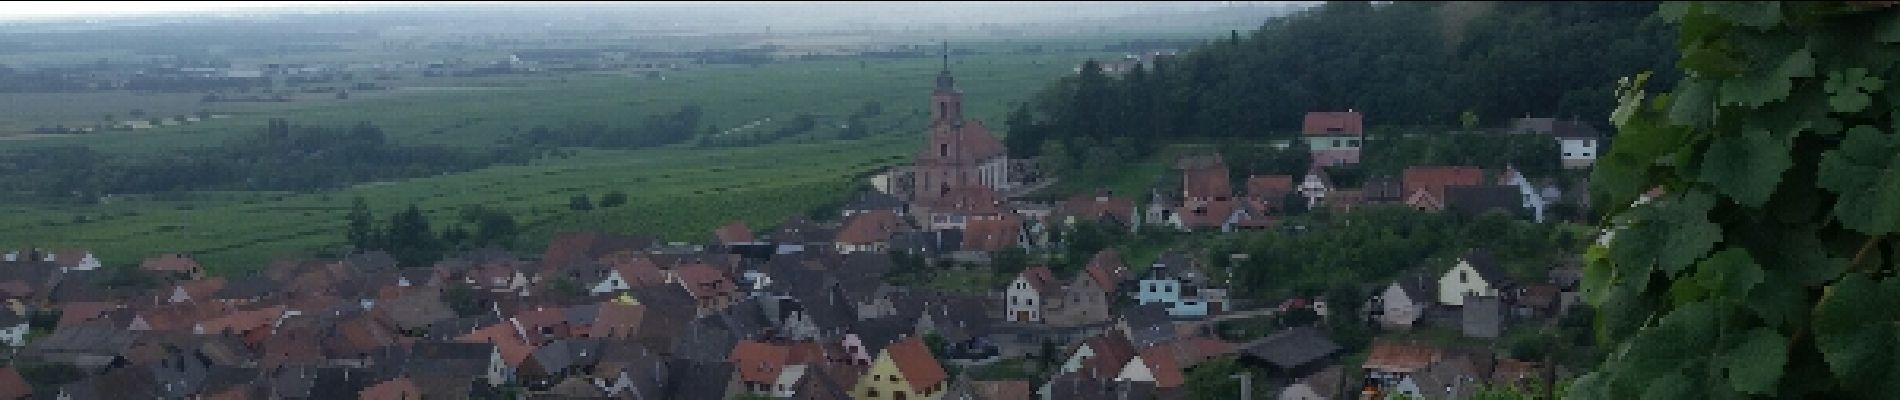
33,10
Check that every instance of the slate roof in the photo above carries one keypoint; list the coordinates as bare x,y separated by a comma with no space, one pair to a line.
1480,198
699,380
1486,266
1482,316
1149,323
117,383
1382,189
1349,123
1292,348
929,242
1575,130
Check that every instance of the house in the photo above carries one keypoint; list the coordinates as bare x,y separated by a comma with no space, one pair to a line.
1082,302
1315,186
1102,207
1475,274
984,237
964,323
1579,143
1403,301
1026,294
576,247
1382,189
1425,185
1176,281
1291,353
868,232
735,233
773,369
957,206
1389,362
13,328
905,370
1269,192
1155,365
74,260
1533,199
1146,324
1323,385
1334,138
871,200
1101,355
511,350
711,289
989,390
1160,210
179,266
193,290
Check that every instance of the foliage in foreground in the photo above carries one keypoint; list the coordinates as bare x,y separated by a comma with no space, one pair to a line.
1766,267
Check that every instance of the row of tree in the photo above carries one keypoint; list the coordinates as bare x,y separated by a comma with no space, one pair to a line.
656,130
408,238
1401,64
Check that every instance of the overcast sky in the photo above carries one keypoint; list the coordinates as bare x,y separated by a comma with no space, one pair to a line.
31,10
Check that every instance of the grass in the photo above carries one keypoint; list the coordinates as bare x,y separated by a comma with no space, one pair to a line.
679,192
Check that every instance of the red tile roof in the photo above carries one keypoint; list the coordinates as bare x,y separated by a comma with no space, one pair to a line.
502,334
12,385
869,227
1040,279
1210,215
76,312
1400,357
967,200
1112,352
170,263
1206,182
1270,187
919,367
70,258
971,143
202,289
1163,366
638,270
704,280
1107,269
1432,180
243,321
758,362
1349,123
992,234
394,389
735,232
615,320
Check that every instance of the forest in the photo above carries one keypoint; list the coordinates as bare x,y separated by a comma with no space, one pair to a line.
1405,65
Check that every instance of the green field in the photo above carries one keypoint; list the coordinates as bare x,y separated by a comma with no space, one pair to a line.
680,192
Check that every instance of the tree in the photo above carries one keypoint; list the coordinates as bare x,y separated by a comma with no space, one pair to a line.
613,199
1009,261
1766,265
1214,380
462,299
579,203
410,240
362,226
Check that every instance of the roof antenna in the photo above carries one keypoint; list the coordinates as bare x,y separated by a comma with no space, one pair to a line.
946,56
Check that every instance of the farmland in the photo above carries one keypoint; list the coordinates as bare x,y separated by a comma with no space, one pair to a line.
678,191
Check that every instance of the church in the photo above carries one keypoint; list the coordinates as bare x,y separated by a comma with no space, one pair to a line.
958,174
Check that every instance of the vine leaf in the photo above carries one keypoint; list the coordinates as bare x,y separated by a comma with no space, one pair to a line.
1854,329
1730,273
1671,234
1762,87
1747,167
1678,340
1754,365
1851,90
1865,172
1756,14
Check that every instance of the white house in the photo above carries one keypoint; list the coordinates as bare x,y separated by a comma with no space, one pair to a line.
1533,198
12,328
73,260
1026,292
1579,143
1476,274
1315,187
1403,301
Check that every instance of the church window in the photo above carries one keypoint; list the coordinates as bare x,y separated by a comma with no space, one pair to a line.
943,150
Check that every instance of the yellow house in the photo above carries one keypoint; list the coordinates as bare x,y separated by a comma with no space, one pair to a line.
904,371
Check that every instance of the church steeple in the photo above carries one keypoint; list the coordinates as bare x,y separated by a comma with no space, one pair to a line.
946,101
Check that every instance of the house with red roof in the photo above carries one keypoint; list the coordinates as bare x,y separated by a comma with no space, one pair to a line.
177,265
74,260
733,233
1425,186
904,370
393,389
1334,138
1101,206
1026,294
711,288
1268,193
868,232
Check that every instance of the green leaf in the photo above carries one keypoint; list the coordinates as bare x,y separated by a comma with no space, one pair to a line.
1865,172
1669,387
1760,87
1678,234
1779,304
1754,366
1679,340
1747,167
1757,14
1889,30
1693,103
1854,329
1851,89
1730,273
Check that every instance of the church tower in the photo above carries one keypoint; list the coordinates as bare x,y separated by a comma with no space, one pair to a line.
946,102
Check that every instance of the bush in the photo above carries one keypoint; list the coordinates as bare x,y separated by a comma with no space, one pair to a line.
613,199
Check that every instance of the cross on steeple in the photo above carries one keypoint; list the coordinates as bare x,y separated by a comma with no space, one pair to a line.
946,56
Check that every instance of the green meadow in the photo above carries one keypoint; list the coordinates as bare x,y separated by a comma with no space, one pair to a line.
679,192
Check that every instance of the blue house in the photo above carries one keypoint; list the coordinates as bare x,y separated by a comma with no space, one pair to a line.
1177,282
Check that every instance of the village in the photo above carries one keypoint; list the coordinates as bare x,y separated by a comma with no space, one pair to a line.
803,309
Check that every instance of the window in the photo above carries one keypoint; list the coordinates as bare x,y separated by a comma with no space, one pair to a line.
871,393
1463,277
943,150
1169,289
1336,143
